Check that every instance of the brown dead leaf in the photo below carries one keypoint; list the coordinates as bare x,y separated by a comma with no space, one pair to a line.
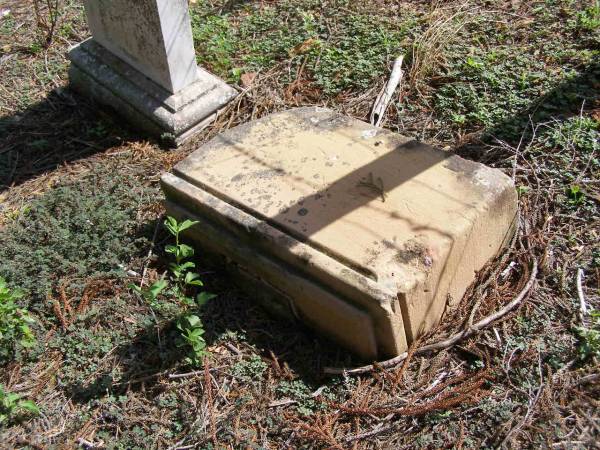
524,22
303,47
247,79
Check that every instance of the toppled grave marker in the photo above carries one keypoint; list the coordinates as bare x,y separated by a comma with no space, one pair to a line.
366,234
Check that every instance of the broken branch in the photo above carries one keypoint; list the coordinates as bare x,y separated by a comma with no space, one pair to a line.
385,96
446,342
583,310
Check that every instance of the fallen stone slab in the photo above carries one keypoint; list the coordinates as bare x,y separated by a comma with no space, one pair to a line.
366,235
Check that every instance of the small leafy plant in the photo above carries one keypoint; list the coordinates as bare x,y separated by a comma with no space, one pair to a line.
575,196
151,294
183,277
12,406
14,323
589,18
589,338
191,328
581,134
181,285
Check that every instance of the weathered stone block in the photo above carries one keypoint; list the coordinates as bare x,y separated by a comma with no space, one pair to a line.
98,74
141,63
368,235
153,36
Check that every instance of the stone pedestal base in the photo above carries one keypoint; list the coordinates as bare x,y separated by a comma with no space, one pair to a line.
97,73
366,235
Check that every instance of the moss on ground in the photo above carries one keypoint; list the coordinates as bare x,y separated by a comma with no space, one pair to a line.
77,231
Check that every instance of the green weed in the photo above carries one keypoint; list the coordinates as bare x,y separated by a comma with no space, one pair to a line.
83,350
184,282
181,285
357,56
192,330
216,42
349,57
589,18
574,195
576,133
297,390
151,293
14,323
497,410
589,338
7,25
251,369
12,407
595,262
489,87
82,229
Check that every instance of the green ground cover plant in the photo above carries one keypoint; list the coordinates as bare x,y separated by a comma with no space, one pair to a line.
14,323
12,406
77,231
511,84
589,345
255,39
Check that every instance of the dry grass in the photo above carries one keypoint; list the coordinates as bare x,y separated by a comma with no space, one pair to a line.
444,23
518,383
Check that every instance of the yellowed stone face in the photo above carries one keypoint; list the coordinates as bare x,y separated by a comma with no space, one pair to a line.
411,220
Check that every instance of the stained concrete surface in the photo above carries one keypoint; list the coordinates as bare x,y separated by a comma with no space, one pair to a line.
367,234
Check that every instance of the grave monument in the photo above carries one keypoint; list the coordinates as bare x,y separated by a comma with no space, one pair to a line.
140,61
363,234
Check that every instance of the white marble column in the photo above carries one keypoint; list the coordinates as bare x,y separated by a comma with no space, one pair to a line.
141,62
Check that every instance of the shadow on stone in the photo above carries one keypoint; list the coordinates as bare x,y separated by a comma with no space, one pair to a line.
325,210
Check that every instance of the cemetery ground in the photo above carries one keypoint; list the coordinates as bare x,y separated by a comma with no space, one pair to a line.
513,84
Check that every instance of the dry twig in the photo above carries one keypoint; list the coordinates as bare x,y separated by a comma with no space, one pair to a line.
446,342
385,96
583,310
